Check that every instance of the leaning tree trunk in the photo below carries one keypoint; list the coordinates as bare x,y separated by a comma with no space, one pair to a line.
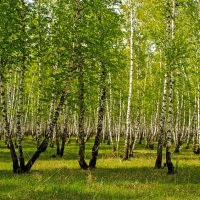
97,141
7,125
127,133
51,126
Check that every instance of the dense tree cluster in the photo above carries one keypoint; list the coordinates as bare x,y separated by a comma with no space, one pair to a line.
100,69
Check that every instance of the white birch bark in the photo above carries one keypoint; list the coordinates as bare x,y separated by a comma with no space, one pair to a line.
128,119
119,130
171,90
110,108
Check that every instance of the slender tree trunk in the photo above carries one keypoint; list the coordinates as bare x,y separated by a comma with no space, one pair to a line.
65,132
51,126
135,133
7,126
21,89
155,127
179,126
38,129
190,119
119,124
169,130
171,91
158,163
11,102
109,116
57,130
127,133
194,132
78,61
82,162
53,107
19,111
97,141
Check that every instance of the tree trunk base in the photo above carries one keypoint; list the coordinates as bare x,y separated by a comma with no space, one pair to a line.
83,164
62,148
92,163
42,148
126,153
151,146
171,170
158,164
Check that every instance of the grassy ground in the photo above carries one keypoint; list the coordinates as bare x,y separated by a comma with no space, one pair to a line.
56,178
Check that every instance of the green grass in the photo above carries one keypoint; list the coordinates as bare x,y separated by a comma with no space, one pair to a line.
56,178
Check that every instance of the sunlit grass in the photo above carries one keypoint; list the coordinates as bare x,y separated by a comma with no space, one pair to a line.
56,178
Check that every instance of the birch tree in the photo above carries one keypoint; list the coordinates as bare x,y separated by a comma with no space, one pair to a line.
128,114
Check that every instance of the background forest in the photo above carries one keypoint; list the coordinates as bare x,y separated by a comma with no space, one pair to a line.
112,83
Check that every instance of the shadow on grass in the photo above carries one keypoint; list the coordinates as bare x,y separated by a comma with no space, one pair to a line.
101,183
141,174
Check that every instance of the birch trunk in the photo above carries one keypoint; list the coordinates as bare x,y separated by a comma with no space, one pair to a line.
65,132
7,125
53,106
171,91
81,133
194,131
119,124
97,141
190,118
110,117
158,163
19,111
38,130
169,130
128,119
51,126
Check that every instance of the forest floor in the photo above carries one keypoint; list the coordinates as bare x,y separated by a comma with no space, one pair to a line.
61,178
